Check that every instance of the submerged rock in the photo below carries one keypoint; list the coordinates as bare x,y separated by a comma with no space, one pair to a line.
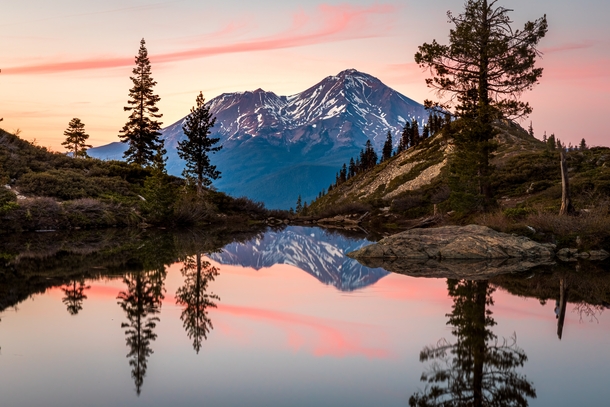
455,242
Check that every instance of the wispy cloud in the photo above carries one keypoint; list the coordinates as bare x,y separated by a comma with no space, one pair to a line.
569,47
329,23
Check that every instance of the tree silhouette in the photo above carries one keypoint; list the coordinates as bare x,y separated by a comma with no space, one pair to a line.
141,132
141,303
481,75
478,369
195,299
74,296
76,139
195,149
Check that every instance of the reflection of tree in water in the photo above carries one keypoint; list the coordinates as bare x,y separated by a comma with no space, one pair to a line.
195,299
478,369
141,302
74,295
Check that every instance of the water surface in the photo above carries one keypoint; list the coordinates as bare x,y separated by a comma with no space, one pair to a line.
283,318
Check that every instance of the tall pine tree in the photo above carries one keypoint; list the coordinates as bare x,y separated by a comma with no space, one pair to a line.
76,139
198,145
482,72
141,132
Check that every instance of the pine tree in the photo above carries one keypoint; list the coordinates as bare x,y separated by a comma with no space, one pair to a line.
299,206
387,147
352,168
343,174
141,132
583,145
76,138
414,134
426,132
544,139
481,73
198,145
405,137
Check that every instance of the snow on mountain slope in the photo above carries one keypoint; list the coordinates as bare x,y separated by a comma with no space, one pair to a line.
267,137
312,250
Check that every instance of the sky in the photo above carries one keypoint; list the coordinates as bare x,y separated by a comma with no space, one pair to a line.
73,58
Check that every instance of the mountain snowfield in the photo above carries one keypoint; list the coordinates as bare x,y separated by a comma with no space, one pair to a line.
276,148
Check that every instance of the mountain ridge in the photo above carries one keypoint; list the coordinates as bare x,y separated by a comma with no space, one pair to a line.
321,127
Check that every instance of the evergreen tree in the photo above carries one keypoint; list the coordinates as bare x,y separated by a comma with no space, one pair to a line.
482,72
299,206
141,132
414,133
426,132
583,145
544,139
343,174
405,137
76,138
197,146
352,168
387,147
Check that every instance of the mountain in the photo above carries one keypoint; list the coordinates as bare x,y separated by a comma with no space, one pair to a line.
278,147
313,250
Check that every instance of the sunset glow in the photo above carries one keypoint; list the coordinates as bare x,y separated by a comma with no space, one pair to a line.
69,59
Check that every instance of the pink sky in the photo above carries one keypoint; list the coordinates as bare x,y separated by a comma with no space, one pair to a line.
66,59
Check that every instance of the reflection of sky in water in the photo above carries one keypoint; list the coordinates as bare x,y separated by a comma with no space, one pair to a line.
281,338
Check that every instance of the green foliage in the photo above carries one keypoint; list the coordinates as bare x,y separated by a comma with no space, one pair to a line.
196,148
141,132
483,71
76,139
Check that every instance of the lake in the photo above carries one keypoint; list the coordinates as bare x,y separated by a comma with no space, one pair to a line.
282,317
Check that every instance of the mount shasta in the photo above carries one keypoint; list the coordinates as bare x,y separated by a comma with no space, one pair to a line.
278,147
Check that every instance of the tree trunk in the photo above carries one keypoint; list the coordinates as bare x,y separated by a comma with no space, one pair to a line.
566,203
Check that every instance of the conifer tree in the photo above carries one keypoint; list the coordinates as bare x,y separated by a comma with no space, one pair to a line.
414,134
343,174
426,132
530,129
583,145
197,146
299,206
551,142
405,137
76,139
481,73
387,147
352,168
141,132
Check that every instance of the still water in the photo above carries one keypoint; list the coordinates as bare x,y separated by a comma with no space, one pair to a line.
283,318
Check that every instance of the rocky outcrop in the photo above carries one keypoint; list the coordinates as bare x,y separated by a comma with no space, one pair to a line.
472,242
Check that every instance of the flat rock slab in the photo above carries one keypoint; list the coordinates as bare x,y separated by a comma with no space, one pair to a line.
455,242
468,269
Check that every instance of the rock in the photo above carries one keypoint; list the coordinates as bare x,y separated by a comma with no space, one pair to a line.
457,269
598,254
567,252
455,242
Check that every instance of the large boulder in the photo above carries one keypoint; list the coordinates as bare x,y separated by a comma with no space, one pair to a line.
455,242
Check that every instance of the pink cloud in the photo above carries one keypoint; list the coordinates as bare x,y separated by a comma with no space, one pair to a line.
569,47
328,339
330,23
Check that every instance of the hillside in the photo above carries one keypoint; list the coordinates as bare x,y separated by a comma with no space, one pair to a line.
527,175
278,147
44,190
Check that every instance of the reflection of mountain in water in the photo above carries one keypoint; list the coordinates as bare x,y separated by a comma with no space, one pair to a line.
313,250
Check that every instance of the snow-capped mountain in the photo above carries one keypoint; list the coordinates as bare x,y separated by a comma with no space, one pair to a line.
278,147
312,250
